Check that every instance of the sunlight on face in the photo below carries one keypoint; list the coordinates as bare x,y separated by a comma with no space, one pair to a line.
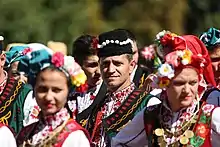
183,88
116,71
51,91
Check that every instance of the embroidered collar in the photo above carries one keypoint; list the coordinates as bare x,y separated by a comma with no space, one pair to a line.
57,119
122,93
171,119
48,124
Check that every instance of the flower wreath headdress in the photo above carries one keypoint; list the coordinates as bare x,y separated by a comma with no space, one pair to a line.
174,58
40,59
72,69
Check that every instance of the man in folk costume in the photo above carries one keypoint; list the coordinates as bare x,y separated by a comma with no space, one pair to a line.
138,74
123,100
15,97
211,39
181,117
85,53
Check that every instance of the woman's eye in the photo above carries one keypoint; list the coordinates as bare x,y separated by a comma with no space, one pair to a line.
193,83
57,90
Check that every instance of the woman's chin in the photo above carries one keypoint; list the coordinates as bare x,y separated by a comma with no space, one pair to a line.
186,103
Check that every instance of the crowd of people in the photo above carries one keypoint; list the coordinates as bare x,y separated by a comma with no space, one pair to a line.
111,93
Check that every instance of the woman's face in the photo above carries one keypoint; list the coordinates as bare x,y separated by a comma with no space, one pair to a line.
51,91
183,88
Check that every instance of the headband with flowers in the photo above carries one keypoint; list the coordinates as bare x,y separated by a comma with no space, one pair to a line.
40,59
176,54
72,70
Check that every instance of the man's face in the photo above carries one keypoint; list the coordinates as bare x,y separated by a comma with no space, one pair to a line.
92,70
13,71
116,71
215,63
135,51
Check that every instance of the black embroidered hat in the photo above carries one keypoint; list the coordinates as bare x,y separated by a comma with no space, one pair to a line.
114,43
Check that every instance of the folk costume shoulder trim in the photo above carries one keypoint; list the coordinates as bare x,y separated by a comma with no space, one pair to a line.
7,98
134,103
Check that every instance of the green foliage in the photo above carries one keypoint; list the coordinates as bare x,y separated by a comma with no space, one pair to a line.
64,20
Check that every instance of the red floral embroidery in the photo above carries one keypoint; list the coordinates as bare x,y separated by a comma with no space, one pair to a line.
202,130
58,59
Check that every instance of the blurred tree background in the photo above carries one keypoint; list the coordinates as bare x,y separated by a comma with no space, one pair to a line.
64,20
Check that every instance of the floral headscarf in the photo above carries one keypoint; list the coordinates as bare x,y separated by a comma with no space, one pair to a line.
180,52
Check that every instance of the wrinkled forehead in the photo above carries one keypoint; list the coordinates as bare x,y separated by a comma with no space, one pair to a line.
186,73
114,58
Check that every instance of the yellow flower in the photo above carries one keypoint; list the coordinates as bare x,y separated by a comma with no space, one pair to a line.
79,79
186,58
164,82
173,34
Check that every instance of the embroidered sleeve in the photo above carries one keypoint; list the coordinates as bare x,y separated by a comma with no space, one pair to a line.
31,110
133,134
76,139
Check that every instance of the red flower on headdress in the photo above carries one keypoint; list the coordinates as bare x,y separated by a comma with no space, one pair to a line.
95,43
82,88
166,40
58,59
26,50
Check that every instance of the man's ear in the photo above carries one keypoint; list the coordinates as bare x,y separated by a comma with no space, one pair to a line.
132,66
2,59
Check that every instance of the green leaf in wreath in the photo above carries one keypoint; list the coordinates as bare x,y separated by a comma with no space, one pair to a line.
203,119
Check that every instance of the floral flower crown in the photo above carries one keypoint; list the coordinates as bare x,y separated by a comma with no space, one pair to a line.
72,69
173,59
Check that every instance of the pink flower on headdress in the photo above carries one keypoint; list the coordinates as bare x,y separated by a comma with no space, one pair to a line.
148,52
58,59
95,43
172,58
26,51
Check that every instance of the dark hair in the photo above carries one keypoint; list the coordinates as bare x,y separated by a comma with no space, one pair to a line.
129,34
211,48
82,47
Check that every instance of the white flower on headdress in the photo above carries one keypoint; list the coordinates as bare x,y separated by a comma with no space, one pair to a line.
68,64
160,34
165,70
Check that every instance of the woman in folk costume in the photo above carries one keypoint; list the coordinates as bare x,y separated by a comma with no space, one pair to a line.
181,117
53,77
